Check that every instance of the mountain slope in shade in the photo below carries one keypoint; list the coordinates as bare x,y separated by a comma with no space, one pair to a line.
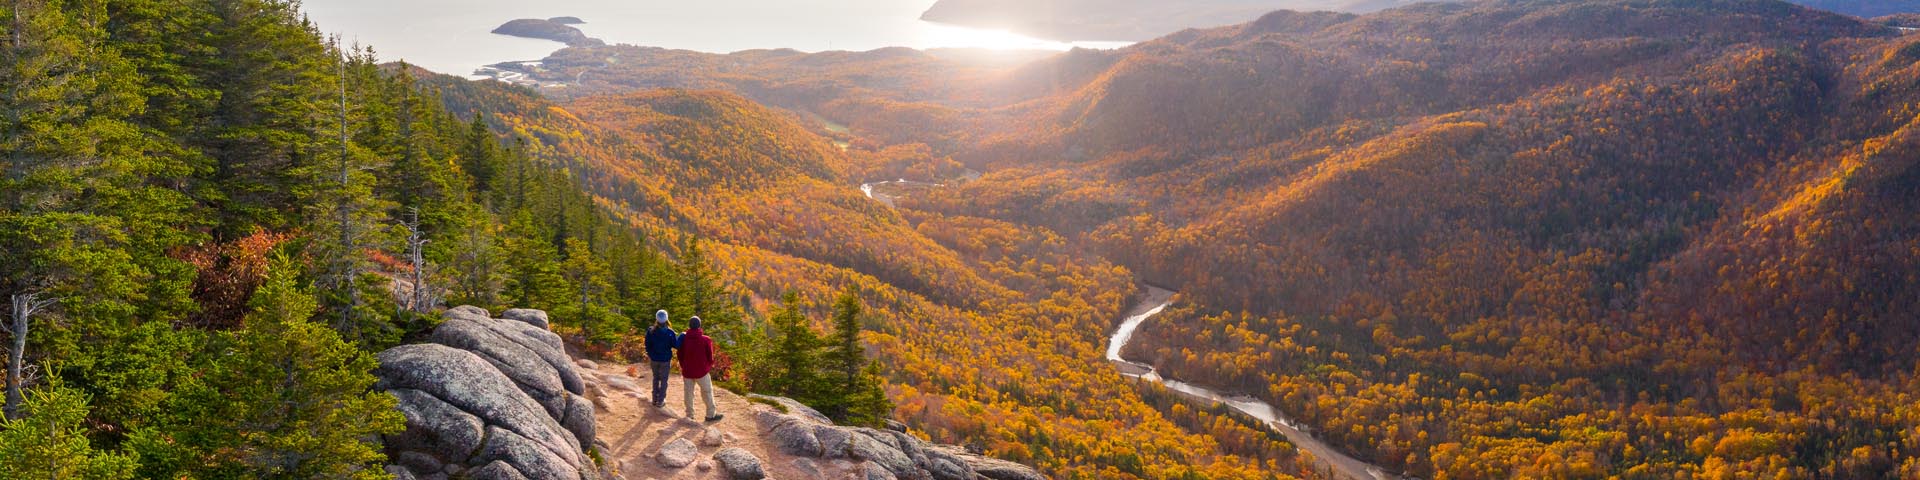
1136,20
1488,222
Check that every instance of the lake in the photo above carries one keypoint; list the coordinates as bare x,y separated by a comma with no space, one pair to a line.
451,36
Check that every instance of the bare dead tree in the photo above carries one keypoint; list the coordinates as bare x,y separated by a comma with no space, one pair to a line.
25,306
421,297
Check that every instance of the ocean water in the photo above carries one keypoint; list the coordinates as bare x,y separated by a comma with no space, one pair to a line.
450,36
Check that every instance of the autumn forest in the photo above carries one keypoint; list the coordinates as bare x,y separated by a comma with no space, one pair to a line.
1488,239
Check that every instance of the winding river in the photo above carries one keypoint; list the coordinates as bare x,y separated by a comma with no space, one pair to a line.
1327,459
1341,465
867,188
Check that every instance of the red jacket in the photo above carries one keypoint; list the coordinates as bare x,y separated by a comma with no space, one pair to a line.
696,353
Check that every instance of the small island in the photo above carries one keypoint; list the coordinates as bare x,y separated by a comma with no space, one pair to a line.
556,29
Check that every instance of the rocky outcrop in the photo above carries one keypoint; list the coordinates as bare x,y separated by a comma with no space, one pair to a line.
489,398
805,433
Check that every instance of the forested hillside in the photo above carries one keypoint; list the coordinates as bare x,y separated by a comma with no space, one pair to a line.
1504,238
1521,238
988,331
214,214
210,215
1496,239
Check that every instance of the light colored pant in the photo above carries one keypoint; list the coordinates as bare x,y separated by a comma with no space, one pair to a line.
706,392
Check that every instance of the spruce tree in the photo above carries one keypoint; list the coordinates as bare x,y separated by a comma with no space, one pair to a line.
49,440
533,267
81,230
355,298
480,154
795,355
588,277
854,392
477,268
284,397
276,81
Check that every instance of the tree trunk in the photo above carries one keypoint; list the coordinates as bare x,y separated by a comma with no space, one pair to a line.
350,274
17,351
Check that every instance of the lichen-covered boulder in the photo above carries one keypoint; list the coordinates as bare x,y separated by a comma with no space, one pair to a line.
739,464
882,454
677,453
537,318
796,438
489,399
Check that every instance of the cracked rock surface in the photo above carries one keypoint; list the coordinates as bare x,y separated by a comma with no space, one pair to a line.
489,398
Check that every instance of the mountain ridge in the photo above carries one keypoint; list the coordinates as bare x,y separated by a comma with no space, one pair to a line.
1406,224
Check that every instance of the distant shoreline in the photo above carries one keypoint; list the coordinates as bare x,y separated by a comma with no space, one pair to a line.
559,29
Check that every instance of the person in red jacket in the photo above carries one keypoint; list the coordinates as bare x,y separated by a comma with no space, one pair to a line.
696,364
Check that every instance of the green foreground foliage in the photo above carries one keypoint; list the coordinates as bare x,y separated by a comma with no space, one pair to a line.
211,216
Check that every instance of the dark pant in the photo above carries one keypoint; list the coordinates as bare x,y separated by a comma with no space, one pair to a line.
661,370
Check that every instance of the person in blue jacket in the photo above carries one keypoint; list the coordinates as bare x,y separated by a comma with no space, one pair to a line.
661,340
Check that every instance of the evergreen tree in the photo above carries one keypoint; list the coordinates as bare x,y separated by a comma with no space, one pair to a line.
795,355
421,184
275,77
479,154
354,297
701,293
477,268
845,357
80,229
533,267
283,397
854,392
49,440
588,277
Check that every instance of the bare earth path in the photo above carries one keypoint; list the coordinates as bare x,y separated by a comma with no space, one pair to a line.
634,431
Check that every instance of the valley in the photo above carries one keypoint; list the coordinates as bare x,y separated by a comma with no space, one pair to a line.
1452,240
1337,464
1399,235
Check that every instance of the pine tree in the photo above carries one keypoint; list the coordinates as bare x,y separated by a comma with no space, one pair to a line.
477,268
533,267
49,440
480,154
854,393
845,357
283,397
588,277
702,294
73,197
275,76
345,224
794,359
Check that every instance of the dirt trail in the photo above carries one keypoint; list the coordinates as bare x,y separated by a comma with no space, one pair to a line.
634,430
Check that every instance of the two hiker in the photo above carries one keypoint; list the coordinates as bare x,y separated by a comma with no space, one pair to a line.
696,362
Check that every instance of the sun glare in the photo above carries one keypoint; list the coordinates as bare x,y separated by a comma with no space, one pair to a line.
949,36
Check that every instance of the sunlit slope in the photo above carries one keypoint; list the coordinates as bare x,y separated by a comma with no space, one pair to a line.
1460,238
988,331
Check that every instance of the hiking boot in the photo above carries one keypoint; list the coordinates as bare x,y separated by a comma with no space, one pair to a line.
715,418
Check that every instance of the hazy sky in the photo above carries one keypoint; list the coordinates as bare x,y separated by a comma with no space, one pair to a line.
452,36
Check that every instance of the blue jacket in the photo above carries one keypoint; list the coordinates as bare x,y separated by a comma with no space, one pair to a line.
660,344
